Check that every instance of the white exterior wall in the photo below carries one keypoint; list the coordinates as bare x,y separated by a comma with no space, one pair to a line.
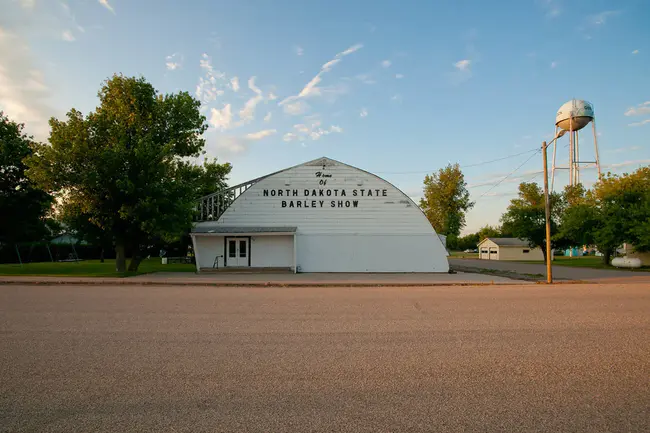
271,251
517,253
383,232
206,248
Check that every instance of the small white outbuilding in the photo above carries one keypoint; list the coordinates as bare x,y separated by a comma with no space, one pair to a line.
508,249
320,216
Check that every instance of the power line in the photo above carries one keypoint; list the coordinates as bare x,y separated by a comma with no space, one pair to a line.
462,166
510,174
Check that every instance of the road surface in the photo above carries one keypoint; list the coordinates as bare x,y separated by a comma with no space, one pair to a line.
445,359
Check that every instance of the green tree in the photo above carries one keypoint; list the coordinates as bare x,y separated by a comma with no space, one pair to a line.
446,200
623,206
488,232
121,167
23,206
525,217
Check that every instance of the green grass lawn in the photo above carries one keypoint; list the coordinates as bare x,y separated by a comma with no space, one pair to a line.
90,268
462,255
583,262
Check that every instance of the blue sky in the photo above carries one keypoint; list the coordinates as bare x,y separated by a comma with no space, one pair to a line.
399,88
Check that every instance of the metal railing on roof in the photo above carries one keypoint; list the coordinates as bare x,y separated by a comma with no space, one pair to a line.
212,206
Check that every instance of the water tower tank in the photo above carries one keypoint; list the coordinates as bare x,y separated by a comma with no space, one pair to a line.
574,115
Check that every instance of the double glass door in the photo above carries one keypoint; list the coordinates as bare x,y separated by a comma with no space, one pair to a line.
237,250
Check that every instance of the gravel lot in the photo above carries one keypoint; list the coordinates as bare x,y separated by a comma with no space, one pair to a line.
444,359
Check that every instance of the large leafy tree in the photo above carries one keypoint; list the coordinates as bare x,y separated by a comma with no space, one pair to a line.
525,217
122,166
446,200
23,206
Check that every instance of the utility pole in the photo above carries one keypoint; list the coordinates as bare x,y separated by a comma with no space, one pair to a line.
547,205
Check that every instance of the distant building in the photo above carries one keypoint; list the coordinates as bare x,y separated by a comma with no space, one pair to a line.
508,249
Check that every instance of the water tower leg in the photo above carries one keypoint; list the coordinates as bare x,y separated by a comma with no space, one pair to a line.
593,126
553,164
570,154
577,158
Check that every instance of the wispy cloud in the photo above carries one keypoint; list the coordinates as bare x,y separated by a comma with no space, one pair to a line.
107,5
311,89
268,117
639,110
234,84
396,98
553,65
601,18
366,78
298,50
552,8
363,113
296,108
260,134
211,84
221,119
386,64
67,36
310,131
173,61
462,65
641,123
247,114
24,93
635,52
399,76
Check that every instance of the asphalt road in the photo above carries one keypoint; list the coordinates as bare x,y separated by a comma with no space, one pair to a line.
572,358
560,272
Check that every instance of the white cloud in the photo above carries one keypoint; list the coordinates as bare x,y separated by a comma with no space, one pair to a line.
365,79
234,83
296,108
24,94
211,85
299,50
641,123
173,62
350,50
328,66
639,110
260,134
396,98
67,36
386,64
221,119
268,117
272,96
399,76
310,88
363,113
107,5
601,18
310,131
553,65
463,65
247,114
635,52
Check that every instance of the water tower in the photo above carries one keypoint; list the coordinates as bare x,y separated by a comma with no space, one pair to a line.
572,117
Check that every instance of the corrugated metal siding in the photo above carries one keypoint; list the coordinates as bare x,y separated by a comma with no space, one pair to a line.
393,213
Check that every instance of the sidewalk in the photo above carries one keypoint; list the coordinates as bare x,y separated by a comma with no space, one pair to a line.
278,280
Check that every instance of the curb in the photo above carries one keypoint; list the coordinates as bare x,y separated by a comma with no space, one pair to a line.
122,282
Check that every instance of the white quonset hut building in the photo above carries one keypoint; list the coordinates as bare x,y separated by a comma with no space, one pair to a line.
320,216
